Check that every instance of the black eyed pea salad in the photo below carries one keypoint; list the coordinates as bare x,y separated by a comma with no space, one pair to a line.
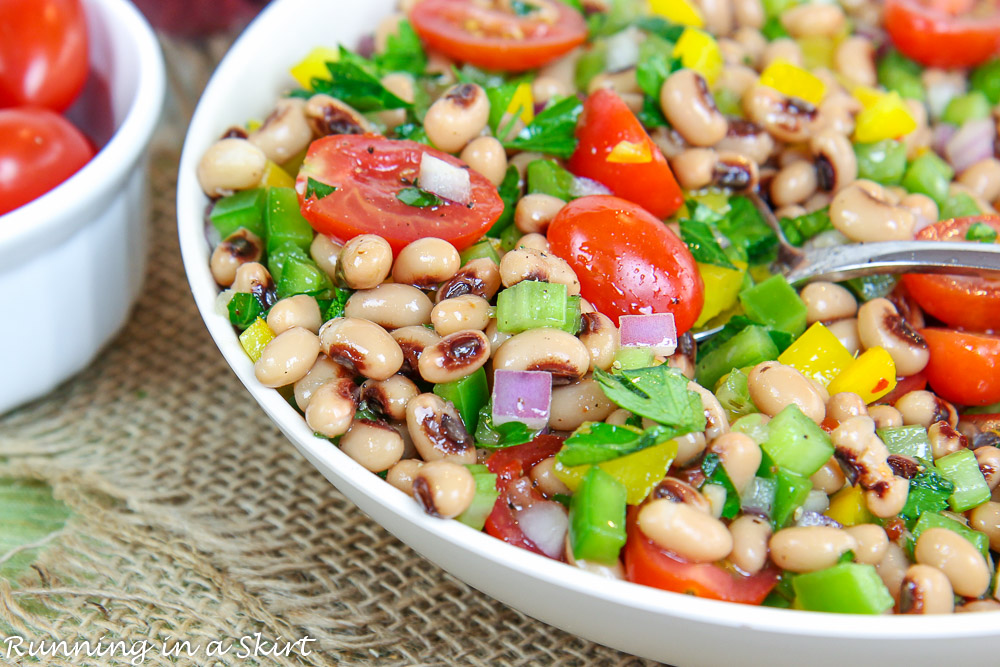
473,254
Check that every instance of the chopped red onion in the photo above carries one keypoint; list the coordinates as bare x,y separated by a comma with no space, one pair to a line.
941,135
545,523
657,331
816,501
445,179
973,142
522,396
758,497
816,519
583,187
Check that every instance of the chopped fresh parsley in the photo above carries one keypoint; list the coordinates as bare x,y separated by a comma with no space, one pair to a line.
317,189
510,192
505,435
355,81
701,241
339,300
659,393
711,465
801,229
594,442
413,132
656,63
745,228
403,52
552,131
980,231
415,196
521,8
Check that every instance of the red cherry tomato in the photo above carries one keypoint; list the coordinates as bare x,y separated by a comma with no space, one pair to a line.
961,301
39,149
368,172
648,564
615,150
904,386
628,262
964,367
496,39
43,52
510,463
944,33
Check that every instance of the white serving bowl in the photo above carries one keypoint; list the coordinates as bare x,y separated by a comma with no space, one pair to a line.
678,629
72,261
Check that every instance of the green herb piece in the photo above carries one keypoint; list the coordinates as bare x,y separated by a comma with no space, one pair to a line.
661,27
548,178
244,309
412,132
981,232
715,473
521,8
500,98
743,225
928,493
595,442
403,52
804,227
318,190
355,81
703,245
656,63
773,29
336,307
552,131
509,434
659,393
415,196
510,192
597,518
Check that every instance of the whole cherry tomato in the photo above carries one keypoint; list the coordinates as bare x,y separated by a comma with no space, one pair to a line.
964,367
43,53
944,33
39,149
628,262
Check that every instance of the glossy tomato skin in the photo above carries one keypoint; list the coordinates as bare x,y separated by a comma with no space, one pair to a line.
368,172
43,53
915,382
443,24
942,34
606,122
964,367
628,262
509,463
961,301
39,149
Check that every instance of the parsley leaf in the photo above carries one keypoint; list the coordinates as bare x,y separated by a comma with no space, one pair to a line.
980,231
711,465
317,189
403,53
744,226
656,63
595,442
510,192
505,435
552,131
413,132
929,492
661,27
704,247
804,227
521,8
415,196
336,307
355,81
659,393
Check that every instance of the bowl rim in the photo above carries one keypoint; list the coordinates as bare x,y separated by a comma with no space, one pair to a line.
58,208
665,604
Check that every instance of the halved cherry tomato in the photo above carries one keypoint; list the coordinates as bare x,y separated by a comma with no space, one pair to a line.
628,262
510,463
43,53
964,367
615,150
502,524
39,149
369,171
904,386
648,564
494,38
944,33
961,301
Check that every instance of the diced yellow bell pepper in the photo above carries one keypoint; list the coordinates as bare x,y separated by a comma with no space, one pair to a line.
871,376
867,95
849,507
793,81
313,66
639,471
252,125
722,287
255,339
699,51
626,152
678,11
817,51
522,103
886,117
276,177
817,354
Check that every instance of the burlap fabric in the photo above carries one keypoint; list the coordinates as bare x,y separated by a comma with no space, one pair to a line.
194,519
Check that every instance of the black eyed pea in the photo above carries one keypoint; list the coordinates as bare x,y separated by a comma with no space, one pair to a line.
678,491
816,202
444,489
773,386
669,140
750,537
412,341
460,313
323,371
600,335
739,455
525,264
229,165
300,310
924,209
854,58
986,519
954,555
578,402
362,345
615,571
983,179
327,115
810,548
689,447
880,325
479,276
846,331
945,440
544,349
718,16
375,445
326,253
694,167
365,261
716,422
401,85
386,28
749,14
892,569
390,305
786,118
682,362
863,211
454,356
783,48
487,156
925,590
689,106
885,499
827,301
733,52
844,405
624,82
753,44
543,478
287,358
331,409
793,184
836,163
924,408
988,458
239,248
437,430
837,112
813,20
426,262
619,417
885,416
457,117
873,543
534,241
495,336
545,88
691,534
830,478
285,132
535,211
253,278
978,606
390,396
748,139
735,171
401,475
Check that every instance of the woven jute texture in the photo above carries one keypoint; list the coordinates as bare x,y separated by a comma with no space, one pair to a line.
194,519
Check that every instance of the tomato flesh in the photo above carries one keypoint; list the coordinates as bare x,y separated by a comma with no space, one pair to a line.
509,463
496,39
368,172
915,382
636,169
628,262
942,34
964,367
969,302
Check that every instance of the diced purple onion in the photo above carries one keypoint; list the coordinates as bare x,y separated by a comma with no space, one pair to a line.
522,396
758,497
583,187
941,135
816,519
657,331
445,179
972,143
545,523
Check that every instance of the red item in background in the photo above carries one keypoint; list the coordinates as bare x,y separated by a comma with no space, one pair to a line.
195,18
943,33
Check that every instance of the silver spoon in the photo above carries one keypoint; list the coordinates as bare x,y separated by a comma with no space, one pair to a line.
864,259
